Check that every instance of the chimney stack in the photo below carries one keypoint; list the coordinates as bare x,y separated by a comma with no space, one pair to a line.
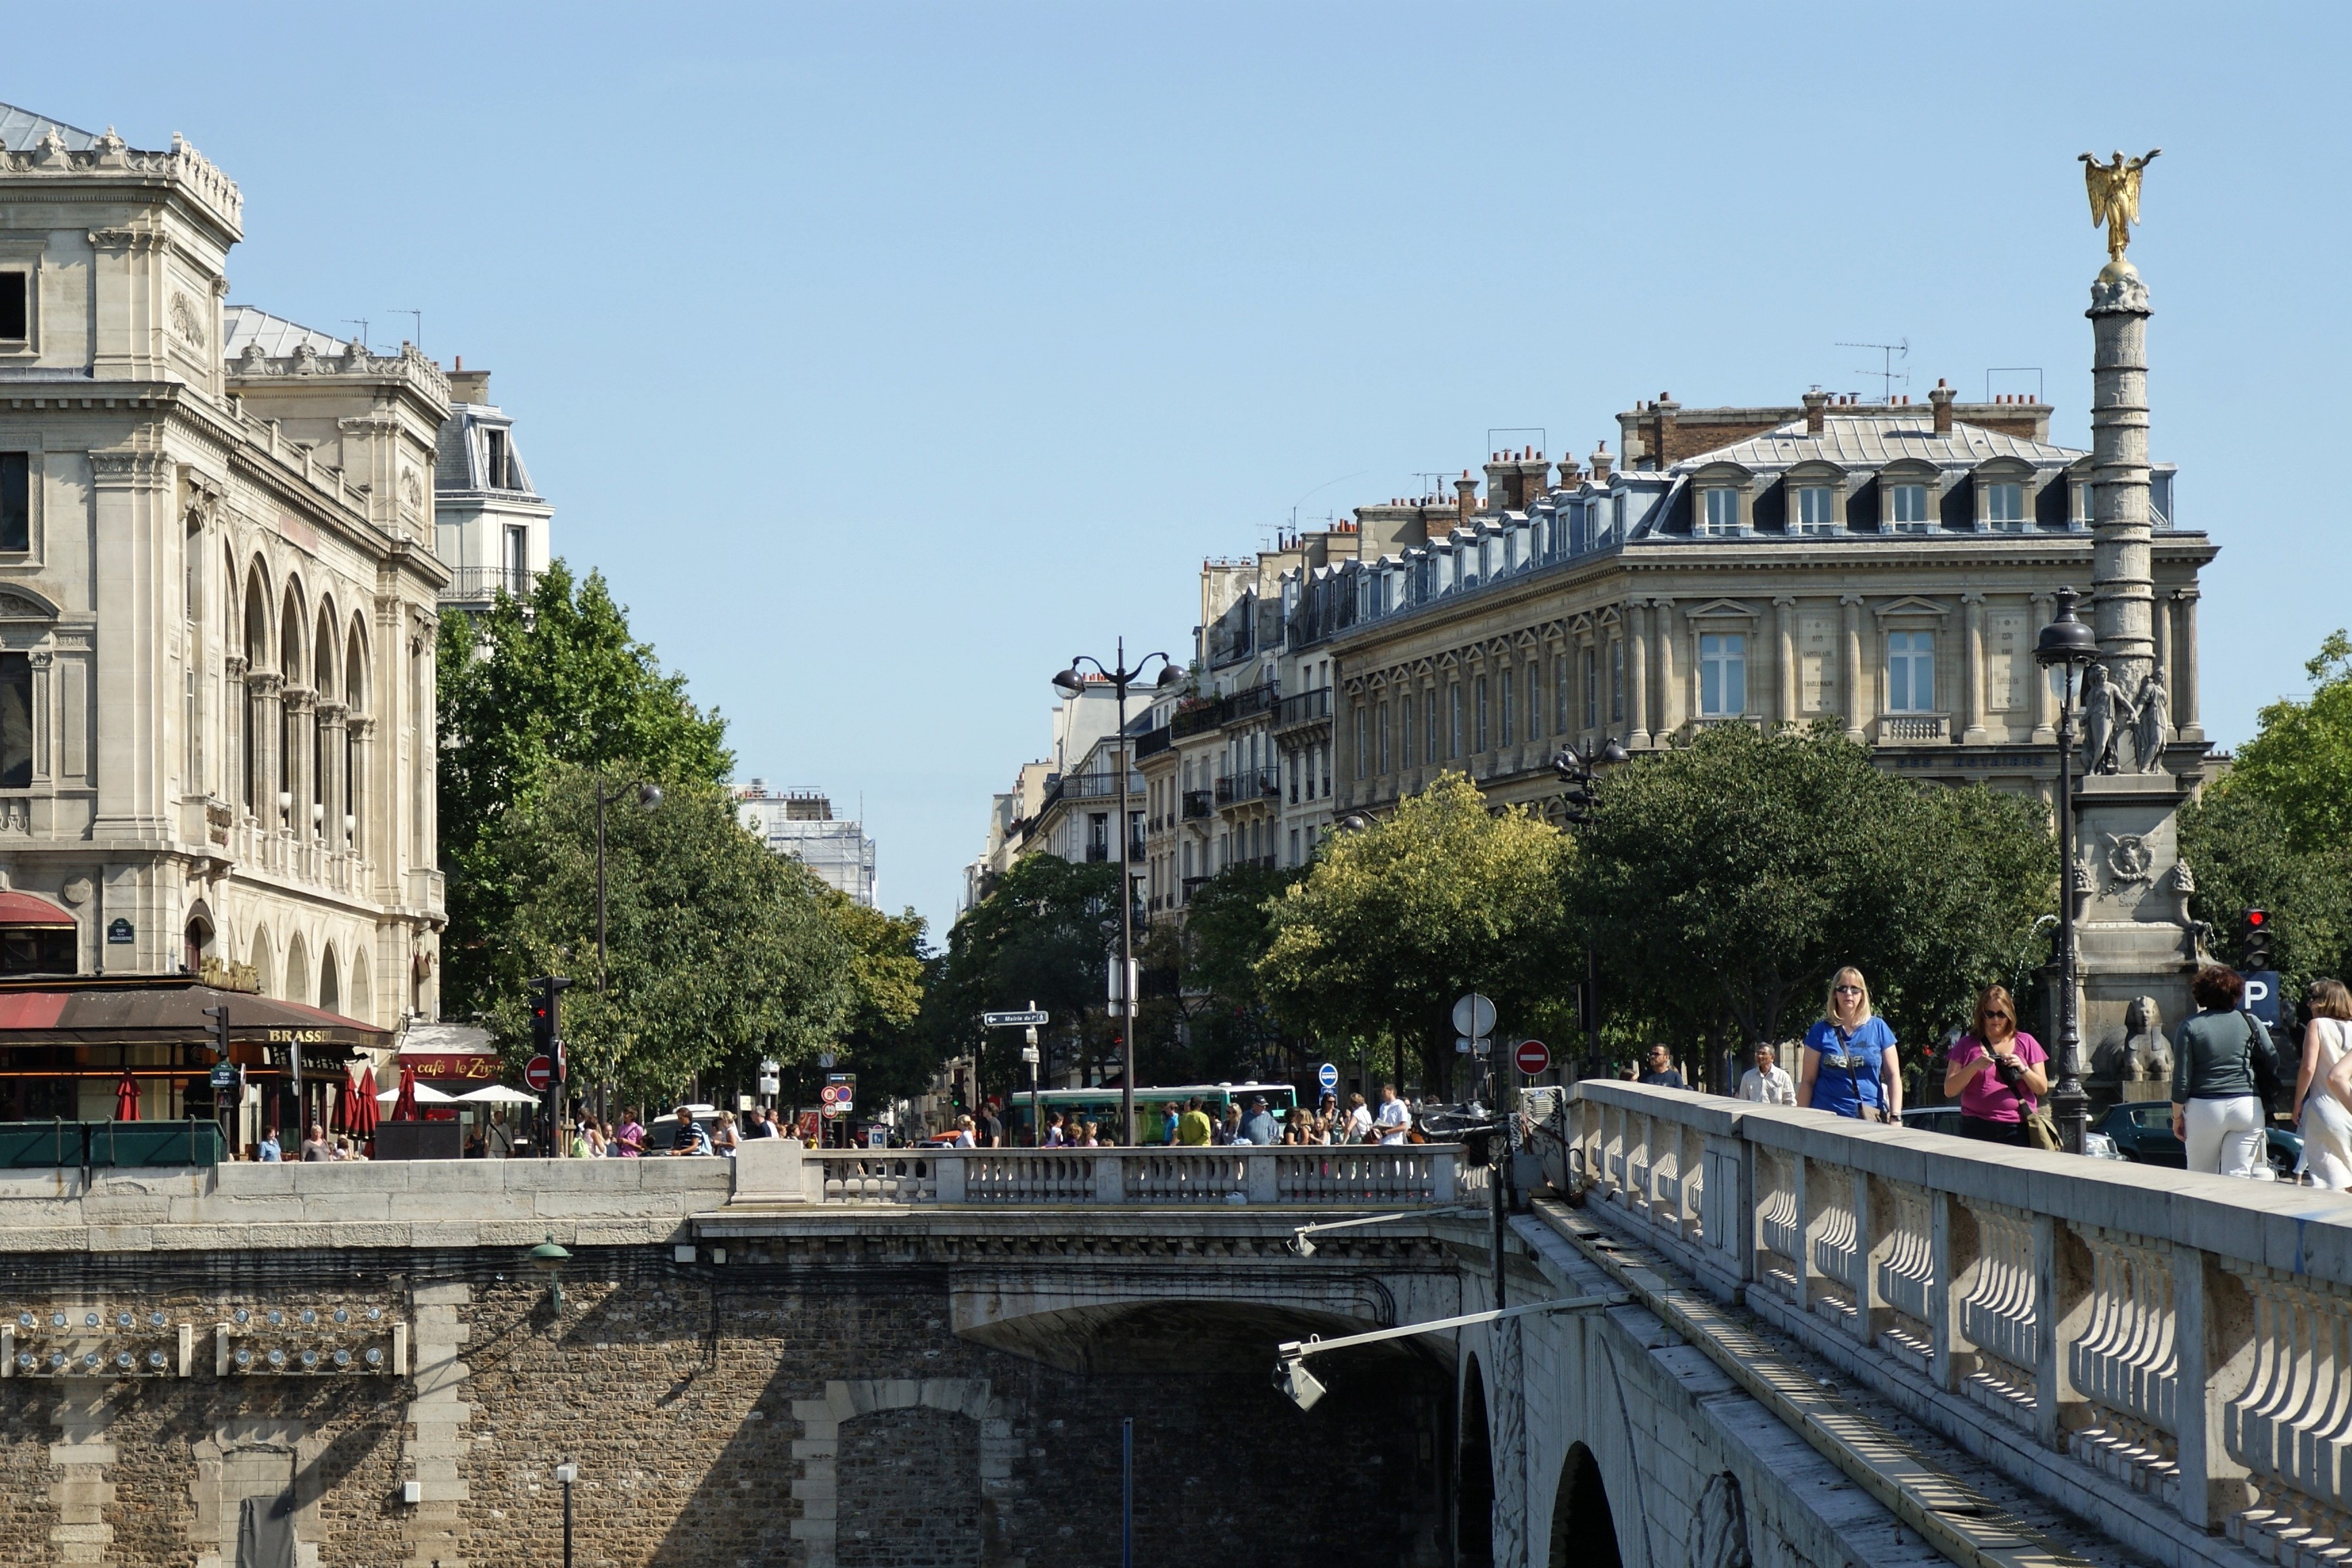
1600,462
1663,410
1816,403
1942,398
1466,497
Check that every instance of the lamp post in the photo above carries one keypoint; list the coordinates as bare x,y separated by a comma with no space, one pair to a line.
565,1474
1072,682
2066,645
549,1258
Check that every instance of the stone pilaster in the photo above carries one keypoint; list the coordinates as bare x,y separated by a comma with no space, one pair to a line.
269,690
1860,703
1972,679
80,1460
435,1531
1637,675
2045,700
1789,678
331,718
301,703
2184,654
1672,708
2122,571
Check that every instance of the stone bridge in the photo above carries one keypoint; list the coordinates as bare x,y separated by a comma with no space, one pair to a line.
1837,1344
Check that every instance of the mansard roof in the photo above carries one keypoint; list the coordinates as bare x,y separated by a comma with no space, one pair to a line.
278,337
22,131
1870,439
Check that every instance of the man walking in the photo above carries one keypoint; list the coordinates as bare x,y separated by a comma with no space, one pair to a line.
1662,1073
1259,1127
1768,1083
1395,1118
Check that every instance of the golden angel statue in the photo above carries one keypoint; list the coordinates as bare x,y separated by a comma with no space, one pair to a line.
2115,196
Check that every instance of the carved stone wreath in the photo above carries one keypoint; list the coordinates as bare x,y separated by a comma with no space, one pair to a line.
2130,862
186,321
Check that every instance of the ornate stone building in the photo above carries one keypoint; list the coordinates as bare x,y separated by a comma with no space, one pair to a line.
217,587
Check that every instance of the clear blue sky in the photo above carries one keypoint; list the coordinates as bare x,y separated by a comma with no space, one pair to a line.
885,355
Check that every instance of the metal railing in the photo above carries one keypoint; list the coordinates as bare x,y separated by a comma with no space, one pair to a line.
1913,729
1220,710
1249,784
1304,708
1409,1176
2187,1337
480,584
1198,802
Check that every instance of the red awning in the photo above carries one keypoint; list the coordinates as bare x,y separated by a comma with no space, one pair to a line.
168,1010
24,910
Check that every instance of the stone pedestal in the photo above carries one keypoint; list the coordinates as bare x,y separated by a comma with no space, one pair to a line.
2135,938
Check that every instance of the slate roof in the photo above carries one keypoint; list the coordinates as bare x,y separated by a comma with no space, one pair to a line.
278,336
21,130
1871,440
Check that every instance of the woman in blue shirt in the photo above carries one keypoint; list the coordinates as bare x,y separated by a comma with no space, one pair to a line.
1850,1067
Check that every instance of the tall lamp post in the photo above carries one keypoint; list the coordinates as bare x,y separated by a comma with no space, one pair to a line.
1073,682
2066,645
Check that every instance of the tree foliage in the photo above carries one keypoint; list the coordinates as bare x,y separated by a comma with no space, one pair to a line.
2299,763
1044,935
1206,1017
1723,881
720,952
1393,924
880,1039
526,687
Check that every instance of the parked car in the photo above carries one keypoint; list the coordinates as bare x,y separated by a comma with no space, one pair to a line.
2142,1130
1945,1119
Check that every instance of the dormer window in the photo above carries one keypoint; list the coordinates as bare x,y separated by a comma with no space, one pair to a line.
2080,510
494,444
15,307
2004,506
1721,516
1816,510
1907,507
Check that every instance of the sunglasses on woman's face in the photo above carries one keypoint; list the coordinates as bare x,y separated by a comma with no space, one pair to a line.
1998,1016
1849,990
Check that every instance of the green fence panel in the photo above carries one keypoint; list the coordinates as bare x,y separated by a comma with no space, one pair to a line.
31,1145
156,1143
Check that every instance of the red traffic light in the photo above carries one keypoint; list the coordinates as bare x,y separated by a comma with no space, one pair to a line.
2256,918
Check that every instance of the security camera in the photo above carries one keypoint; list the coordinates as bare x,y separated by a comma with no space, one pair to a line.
1303,1245
1291,1376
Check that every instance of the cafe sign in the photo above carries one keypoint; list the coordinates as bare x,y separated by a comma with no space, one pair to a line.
299,1037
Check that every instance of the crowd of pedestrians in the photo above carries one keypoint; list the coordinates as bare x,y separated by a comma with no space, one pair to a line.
2225,1075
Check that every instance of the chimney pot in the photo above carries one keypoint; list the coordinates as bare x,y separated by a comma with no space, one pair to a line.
1941,398
1816,403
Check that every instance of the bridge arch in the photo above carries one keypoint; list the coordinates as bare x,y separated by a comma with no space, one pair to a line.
1583,1531
1474,1473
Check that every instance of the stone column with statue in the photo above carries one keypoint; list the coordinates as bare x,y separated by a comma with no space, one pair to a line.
2137,948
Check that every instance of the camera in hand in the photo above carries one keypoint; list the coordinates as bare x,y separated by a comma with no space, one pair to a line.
2011,1070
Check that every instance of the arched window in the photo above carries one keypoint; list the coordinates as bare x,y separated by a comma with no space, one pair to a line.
331,989
256,660
265,969
298,970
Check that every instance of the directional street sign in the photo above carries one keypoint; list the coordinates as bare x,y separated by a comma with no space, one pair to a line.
1532,1057
2262,997
538,1072
1015,1020
1328,1076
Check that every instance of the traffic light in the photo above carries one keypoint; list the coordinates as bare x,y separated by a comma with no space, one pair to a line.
2254,941
546,1022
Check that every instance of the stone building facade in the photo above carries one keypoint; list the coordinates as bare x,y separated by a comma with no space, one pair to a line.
218,588
491,528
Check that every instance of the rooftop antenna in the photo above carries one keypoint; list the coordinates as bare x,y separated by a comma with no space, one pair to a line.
1886,372
1432,479
1325,484
362,324
420,325
1542,439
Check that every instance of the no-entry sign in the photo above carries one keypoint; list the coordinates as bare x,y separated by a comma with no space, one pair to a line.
1532,1057
539,1073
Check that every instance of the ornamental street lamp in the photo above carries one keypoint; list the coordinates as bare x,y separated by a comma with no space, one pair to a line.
549,1258
1072,682
2066,645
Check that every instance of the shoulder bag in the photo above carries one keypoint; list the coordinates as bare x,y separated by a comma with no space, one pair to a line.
2262,1066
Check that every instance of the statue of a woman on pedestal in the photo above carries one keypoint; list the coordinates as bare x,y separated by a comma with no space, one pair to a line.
2099,721
2151,722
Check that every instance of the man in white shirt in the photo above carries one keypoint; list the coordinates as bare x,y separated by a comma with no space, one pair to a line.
1395,1118
1765,1083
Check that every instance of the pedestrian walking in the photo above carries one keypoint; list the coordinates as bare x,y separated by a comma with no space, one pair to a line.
2217,1110
315,1150
2325,1119
1090,1136
991,1128
1998,1072
1850,1067
1359,1120
1259,1127
1194,1129
632,1137
689,1138
723,1137
1055,1137
1768,1082
1662,1073
1395,1118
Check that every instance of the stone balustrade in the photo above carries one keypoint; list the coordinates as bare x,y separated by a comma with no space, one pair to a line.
2184,1341
1347,1176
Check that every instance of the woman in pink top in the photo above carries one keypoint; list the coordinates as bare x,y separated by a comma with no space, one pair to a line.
629,1143
1997,1072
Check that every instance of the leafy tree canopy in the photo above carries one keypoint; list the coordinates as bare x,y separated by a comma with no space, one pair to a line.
1723,882
1393,924
2244,857
880,1040
525,687
1201,975
1044,934
2299,763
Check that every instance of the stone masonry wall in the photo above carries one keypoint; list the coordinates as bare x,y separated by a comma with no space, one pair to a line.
695,1399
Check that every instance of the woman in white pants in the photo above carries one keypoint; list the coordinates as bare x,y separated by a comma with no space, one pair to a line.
2326,1120
2216,1108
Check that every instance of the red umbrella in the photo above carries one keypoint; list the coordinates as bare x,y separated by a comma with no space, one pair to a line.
126,1097
339,1117
404,1108
364,1106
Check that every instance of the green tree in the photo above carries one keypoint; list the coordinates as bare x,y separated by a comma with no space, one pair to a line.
720,952
1393,924
1724,880
2243,854
2299,763
1044,934
880,1039
524,687
1201,976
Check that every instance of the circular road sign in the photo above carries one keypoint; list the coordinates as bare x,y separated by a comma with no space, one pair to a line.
1474,1016
539,1073
1532,1057
1328,1076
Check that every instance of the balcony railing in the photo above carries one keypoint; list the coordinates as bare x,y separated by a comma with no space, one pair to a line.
1152,742
1221,711
1915,729
1305,708
1198,805
1249,784
1193,885
1378,1175
480,584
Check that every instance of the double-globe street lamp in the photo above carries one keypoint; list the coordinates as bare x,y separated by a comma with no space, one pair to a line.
2066,645
1072,682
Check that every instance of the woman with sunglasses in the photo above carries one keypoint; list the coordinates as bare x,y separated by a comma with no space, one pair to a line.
1997,1072
1850,1067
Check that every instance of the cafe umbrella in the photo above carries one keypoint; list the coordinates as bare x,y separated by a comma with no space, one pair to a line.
364,1111
126,1097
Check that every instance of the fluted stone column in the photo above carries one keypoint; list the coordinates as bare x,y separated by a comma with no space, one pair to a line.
1973,676
269,690
2184,657
1858,705
330,720
233,732
1671,676
1787,678
299,708
362,731
2045,700
2122,571
1637,675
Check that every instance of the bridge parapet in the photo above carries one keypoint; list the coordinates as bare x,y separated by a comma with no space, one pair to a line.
2184,1339
1348,1175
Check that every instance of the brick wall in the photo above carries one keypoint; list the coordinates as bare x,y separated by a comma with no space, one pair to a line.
684,1394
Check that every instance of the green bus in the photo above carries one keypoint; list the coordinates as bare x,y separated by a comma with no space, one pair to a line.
1153,1107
